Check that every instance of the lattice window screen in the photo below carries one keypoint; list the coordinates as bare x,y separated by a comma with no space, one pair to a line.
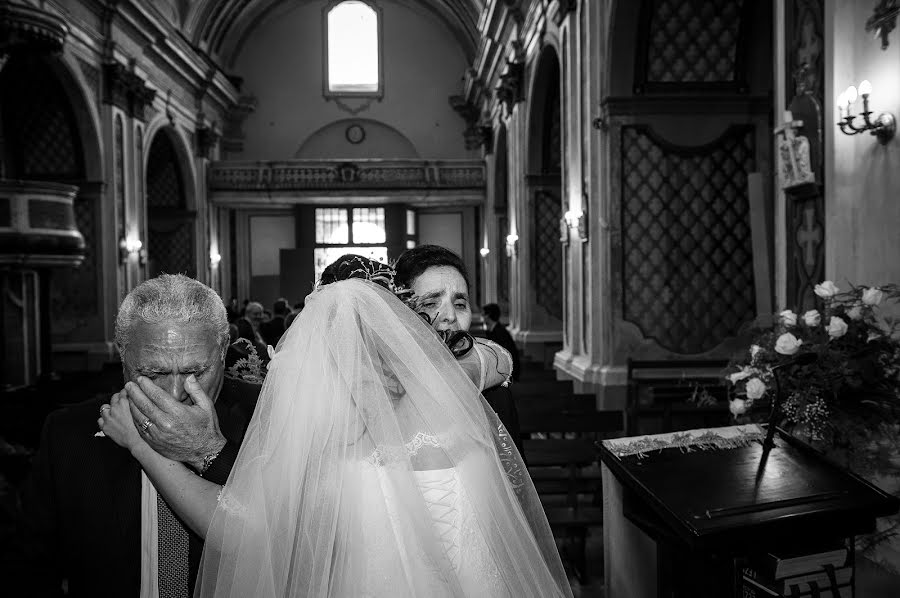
170,243
74,290
546,258
172,251
164,184
687,272
554,132
692,42
38,122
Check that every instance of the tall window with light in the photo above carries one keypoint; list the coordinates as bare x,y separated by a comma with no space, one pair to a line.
349,230
353,49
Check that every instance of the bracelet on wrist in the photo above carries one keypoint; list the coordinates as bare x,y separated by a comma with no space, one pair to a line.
207,461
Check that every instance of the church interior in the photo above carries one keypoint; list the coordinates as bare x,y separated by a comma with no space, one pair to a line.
632,182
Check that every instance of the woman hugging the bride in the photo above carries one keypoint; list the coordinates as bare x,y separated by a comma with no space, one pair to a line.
372,465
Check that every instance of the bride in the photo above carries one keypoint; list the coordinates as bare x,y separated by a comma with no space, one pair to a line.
372,467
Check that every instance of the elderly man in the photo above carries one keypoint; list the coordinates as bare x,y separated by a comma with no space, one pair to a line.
96,525
439,279
249,324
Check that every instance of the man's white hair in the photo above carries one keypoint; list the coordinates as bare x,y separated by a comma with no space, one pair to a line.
171,298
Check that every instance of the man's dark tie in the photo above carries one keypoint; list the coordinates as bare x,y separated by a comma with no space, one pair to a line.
173,553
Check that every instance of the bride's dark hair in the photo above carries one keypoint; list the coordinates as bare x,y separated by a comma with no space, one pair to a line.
350,266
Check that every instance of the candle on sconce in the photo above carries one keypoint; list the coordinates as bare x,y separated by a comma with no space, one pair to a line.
865,88
841,102
851,96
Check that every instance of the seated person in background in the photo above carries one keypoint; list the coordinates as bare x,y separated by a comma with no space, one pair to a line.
248,325
272,329
438,277
498,333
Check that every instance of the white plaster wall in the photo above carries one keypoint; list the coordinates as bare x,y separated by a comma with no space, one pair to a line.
862,197
281,64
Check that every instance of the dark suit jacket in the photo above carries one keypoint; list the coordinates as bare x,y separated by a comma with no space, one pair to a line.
81,507
272,330
501,401
502,337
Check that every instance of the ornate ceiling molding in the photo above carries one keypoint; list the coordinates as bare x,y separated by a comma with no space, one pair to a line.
126,89
563,9
26,28
220,27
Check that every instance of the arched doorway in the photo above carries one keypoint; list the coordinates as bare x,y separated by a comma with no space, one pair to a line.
544,194
170,219
501,216
45,300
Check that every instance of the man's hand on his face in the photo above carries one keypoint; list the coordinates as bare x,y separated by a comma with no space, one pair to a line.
179,431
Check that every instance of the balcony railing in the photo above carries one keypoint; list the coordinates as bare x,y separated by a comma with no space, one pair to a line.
355,175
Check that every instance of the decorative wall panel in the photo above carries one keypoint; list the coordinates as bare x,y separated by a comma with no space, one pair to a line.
805,217
687,269
546,259
690,44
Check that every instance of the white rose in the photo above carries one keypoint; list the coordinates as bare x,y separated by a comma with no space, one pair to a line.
788,318
812,318
738,376
872,296
855,312
737,407
787,344
827,290
837,327
755,389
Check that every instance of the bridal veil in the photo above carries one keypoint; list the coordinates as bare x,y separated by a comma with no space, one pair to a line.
362,415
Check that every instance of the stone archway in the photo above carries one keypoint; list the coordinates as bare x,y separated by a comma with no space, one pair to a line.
544,196
171,230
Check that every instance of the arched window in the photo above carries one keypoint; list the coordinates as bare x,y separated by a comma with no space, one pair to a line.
353,49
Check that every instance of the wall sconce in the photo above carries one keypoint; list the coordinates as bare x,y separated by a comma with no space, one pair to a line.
511,242
484,251
883,127
214,259
130,246
577,221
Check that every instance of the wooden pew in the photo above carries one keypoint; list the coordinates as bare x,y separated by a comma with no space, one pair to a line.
561,462
670,391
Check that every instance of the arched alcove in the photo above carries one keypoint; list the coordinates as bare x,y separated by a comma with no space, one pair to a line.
544,189
171,219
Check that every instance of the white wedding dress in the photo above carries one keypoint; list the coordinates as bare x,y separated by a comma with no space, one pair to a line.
452,519
373,467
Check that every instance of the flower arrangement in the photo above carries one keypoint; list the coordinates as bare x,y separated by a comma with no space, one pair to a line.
251,368
837,372
853,370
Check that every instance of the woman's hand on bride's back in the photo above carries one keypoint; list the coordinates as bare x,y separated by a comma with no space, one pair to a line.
117,423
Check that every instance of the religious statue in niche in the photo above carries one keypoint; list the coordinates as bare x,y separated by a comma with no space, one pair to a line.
794,167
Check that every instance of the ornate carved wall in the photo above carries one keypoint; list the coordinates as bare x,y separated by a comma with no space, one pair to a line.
687,259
